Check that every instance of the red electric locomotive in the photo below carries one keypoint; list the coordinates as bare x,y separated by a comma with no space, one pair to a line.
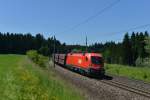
87,63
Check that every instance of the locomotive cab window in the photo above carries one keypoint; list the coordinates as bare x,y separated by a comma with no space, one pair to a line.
86,58
96,60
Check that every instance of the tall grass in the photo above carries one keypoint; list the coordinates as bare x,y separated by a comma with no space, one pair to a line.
37,58
20,79
141,73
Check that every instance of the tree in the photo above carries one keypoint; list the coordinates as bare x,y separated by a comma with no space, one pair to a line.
141,45
39,39
145,62
146,34
134,47
147,46
44,50
127,52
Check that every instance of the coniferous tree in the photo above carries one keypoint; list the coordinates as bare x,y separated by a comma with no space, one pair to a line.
127,52
147,46
134,46
146,34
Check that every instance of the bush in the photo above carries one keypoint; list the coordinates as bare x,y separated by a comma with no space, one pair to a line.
37,58
143,62
41,60
139,61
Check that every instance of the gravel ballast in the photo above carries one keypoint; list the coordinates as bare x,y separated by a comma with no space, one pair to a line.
94,89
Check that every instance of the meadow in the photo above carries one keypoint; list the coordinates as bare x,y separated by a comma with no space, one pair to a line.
20,79
139,73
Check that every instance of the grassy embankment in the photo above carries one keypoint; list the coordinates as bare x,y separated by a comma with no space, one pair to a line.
20,79
140,73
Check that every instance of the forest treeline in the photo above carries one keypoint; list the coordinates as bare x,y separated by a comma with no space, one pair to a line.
20,43
131,51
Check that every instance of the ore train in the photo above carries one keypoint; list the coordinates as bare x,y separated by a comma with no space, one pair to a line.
85,63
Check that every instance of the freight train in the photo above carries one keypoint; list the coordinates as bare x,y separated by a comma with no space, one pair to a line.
85,63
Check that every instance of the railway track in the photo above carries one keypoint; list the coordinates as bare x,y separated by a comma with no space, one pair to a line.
128,88
98,87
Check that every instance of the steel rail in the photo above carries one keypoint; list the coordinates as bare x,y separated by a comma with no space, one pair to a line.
128,88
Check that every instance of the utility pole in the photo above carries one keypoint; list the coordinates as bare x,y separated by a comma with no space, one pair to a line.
54,52
86,44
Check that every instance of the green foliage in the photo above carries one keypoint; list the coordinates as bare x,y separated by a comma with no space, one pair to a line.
117,71
42,60
147,46
125,52
129,52
107,56
145,76
141,73
33,55
44,50
139,61
21,80
12,43
37,58
143,62
76,50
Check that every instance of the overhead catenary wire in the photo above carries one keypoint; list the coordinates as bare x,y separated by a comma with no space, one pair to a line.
93,16
101,12
129,29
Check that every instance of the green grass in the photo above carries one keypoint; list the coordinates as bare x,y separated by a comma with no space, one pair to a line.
20,79
140,73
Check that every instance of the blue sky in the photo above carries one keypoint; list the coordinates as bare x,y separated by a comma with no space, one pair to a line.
53,17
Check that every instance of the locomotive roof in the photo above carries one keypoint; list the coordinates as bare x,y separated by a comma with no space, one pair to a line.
87,54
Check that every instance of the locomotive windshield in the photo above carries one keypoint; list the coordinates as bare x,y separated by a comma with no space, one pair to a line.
96,60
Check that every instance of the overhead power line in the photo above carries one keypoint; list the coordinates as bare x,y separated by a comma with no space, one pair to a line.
93,16
130,29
